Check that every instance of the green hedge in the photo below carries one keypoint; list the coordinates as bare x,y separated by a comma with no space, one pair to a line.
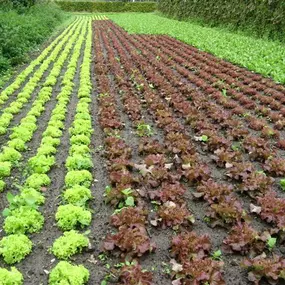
22,32
262,17
107,6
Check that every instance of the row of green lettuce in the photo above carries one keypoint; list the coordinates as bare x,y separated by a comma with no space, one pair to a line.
23,216
258,55
24,30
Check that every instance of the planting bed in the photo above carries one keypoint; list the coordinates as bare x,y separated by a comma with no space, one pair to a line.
134,159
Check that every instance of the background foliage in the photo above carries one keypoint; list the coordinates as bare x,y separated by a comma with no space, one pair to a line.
262,17
107,6
22,29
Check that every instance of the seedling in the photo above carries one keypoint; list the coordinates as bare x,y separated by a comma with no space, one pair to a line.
129,200
102,95
103,257
139,87
271,243
236,146
114,133
166,268
144,130
224,92
217,255
204,138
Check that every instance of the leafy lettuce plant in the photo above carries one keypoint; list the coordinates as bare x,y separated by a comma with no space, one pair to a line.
10,154
80,139
132,240
69,244
5,169
23,220
66,273
129,216
78,162
120,198
228,211
28,197
17,144
174,215
132,273
41,163
256,184
46,150
37,181
70,217
77,195
189,245
14,276
212,192
78,177
273,269
201,271
244,239
272,209
282,184
48,140
79,150
14,248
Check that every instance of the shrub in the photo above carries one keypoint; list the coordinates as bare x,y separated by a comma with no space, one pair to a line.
118,6
264,18
23,32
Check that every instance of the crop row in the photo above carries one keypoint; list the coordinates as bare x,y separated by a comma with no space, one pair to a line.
10,154
20,79
34,81
161,180
225,208
23,216
73,214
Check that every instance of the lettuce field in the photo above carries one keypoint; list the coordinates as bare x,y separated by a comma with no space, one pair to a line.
139,159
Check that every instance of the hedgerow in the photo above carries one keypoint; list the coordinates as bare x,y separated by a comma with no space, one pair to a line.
264,18
23,32
79,6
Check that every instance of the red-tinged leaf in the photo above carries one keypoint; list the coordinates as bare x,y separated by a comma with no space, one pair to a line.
129,216
263,267
132,240
189,245
244,239
172,214
134,274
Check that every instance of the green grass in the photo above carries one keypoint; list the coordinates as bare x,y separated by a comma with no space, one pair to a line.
259,55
